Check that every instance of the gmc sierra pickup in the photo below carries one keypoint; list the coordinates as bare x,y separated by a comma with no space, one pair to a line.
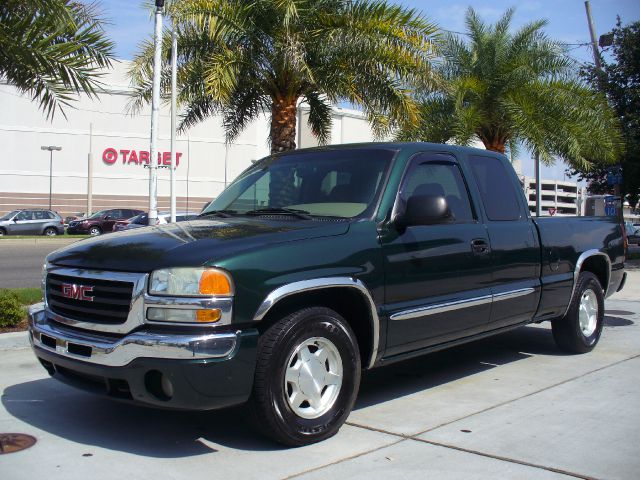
311,266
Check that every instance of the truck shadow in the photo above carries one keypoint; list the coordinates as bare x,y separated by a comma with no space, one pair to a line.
428,371
80,417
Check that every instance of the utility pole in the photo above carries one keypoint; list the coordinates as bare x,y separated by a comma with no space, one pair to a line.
538,188
174,81
594,42
155,113
600,74
90,173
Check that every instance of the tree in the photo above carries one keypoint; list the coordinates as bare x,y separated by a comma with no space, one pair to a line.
242,58
52,50
620,81
509,89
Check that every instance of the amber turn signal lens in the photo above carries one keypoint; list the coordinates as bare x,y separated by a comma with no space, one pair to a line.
207,316
214,282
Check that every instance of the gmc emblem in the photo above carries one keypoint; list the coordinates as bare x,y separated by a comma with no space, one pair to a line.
77,292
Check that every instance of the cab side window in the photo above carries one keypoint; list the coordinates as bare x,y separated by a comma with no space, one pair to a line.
496,189
441,177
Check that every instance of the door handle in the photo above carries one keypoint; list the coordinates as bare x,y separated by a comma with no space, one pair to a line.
480,246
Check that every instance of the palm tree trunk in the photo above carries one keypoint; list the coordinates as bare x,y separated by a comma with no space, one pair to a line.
494,144
282,188
283,124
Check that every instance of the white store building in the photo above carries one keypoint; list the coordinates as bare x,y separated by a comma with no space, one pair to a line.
119,143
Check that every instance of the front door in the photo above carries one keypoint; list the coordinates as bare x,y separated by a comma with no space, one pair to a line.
437,276
23,224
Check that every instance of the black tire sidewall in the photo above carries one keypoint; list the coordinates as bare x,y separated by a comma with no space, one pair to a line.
323,323
588,281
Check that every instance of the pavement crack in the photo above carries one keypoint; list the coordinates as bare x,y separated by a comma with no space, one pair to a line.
351,457
507,402
506,459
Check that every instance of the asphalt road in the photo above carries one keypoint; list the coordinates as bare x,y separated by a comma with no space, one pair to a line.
512,406
21,260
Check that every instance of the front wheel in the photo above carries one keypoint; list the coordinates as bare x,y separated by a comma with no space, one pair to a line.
580,329
307,377
95,231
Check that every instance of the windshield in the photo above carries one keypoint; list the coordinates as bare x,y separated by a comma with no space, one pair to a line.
9,215
99,214
335,183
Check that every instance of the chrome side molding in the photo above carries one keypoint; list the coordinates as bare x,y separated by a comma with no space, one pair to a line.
323,283
458,304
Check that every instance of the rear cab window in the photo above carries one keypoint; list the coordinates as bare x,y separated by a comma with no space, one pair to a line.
501,201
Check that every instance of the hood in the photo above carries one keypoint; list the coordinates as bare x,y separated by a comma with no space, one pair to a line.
191,243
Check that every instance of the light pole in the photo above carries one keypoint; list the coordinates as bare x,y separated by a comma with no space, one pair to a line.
51,148
155,106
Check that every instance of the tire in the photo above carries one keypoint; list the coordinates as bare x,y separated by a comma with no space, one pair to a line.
2,232
580,329
95,231
285,404
50,232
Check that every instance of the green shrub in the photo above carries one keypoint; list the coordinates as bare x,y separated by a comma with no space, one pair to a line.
11,312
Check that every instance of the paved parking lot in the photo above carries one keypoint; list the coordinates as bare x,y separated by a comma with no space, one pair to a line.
508,407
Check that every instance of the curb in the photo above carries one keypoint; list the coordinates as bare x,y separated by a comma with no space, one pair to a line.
39,241
14,340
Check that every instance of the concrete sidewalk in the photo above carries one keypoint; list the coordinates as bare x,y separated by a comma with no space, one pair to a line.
508,407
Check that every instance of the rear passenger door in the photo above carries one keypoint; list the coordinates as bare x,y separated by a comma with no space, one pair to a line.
515,250
437,279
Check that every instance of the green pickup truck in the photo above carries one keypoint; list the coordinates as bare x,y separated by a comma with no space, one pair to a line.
312,266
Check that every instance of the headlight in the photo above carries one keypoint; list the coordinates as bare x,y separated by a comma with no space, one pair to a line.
192,282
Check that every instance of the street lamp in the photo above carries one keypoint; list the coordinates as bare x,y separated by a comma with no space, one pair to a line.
155,113
51,148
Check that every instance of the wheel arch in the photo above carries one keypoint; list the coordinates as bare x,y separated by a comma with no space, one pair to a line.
596,262
355,304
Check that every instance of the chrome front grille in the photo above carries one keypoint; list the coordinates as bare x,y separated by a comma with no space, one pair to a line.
117,306
108,301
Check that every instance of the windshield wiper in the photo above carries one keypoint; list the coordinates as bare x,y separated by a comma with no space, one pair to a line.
287,211
219,213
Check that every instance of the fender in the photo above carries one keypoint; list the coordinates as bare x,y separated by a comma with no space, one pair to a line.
320,284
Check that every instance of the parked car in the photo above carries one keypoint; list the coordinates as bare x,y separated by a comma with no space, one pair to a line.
70,218
122,224
633,235
311,266
163,218
32,222
100,222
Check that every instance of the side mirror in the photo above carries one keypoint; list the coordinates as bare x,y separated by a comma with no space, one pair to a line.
424,210
108,217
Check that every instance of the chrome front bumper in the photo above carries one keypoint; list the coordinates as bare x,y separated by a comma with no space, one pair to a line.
117,352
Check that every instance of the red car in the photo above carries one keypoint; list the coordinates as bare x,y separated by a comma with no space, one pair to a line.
100,222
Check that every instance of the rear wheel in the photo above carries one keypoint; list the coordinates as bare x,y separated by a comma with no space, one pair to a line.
95,231
50,232
580,329
307,377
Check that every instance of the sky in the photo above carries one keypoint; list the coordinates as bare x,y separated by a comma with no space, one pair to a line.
130,21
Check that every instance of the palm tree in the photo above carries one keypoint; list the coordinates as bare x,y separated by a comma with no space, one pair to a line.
242,58
522,88
52,50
